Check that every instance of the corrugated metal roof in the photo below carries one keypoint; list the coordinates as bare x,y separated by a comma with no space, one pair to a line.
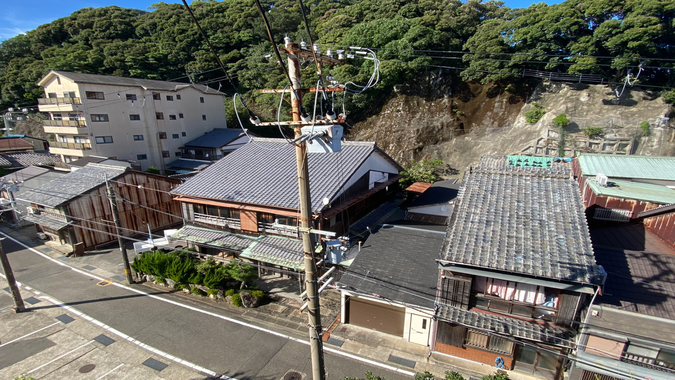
634,190
264,172
223,239
148,84
522,220
620,166
277,251
188,164
72,185
216,138
507,326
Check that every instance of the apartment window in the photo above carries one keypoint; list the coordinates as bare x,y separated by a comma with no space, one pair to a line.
169,98
204,117
156,96
131,96
166,154
141,157
95,95
73,117
201,99
178,154
183,134
177,97
56,116
51,95
138,137
99,117
63,139
172,117
69,94
134,117
80,139
162,135
104,140
159,115
175,135
285,220
264,217
180,115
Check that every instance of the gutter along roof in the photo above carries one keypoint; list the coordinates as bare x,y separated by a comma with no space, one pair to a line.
528,221
263,172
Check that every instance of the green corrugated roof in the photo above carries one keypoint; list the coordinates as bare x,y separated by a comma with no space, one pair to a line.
634,190
529,161
619,166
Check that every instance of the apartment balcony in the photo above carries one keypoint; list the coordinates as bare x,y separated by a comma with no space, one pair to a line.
647,362
71,149
58,104
217,221
65,127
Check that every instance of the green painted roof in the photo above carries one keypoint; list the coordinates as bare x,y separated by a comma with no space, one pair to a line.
619,166
634,190
529,161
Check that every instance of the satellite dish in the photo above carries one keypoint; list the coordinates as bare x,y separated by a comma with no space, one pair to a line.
326,201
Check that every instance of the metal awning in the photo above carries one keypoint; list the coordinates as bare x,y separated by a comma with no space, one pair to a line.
214,238
618,369
581,288
277,251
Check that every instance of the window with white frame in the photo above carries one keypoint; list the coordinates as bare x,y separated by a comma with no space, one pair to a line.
104,139
99,117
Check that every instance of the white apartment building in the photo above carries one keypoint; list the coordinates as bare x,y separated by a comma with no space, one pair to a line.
126,118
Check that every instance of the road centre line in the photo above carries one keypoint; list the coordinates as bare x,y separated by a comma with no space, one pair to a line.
67,353
27,335
109,372
242,323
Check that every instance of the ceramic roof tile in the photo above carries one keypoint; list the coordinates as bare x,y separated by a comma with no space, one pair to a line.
264,172
522,220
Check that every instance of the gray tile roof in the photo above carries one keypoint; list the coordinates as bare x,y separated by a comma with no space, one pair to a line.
277,251
522,220
28,159
45,221
72,185
397,263
507,326
216,138
222,239
148,84
264,172
502,162
25,174
640,271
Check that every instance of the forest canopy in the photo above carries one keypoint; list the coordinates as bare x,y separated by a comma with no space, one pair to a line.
481,41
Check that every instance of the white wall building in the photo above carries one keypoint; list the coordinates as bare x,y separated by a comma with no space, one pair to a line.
126,118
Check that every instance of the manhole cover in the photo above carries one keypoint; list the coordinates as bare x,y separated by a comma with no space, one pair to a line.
87,368
291,375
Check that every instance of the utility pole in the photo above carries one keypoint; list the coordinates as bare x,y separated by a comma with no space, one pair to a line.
18,301
299,121
118,225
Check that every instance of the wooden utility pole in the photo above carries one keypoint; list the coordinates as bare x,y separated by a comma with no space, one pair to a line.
306,228
118,225
9,275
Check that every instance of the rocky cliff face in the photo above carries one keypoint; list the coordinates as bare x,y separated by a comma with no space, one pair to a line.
443,117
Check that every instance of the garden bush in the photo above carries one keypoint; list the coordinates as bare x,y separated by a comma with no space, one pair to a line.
212,292
593,131
496,376
198,292
236,300
179,286
230,292
453,376
645,128
258,294
535,113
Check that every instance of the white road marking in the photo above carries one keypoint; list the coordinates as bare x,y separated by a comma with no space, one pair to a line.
67,353
109,372
27,335
332,350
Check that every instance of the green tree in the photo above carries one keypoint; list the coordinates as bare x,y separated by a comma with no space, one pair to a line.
422,171
153,170
593,131
241,272
669,97
561,121
535,113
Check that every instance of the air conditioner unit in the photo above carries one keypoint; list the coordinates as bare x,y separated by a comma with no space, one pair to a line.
601,179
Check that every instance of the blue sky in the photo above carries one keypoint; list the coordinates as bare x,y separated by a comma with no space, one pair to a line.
20,16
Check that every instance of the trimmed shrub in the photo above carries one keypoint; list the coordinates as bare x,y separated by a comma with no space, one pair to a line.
198,292
236,300
258,294
230,292
212,292
178,286
424,376
453,376
180,269
496,376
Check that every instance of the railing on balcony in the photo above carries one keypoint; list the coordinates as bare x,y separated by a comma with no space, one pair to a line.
218,221
647,362
76,146
516,308
46,101
274,229
64,123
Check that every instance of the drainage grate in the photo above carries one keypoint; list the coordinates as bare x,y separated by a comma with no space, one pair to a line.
335,342
402,361
87,368
155,364
65,318
63,258
32,300
292,375
89,267
104,340
118,278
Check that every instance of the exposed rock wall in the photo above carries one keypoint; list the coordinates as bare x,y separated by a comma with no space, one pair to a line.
442,117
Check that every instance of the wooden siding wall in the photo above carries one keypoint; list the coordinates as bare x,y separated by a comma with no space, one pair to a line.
663,226
94,208
249,220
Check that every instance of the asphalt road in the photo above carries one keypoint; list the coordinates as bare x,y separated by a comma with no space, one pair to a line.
197,333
